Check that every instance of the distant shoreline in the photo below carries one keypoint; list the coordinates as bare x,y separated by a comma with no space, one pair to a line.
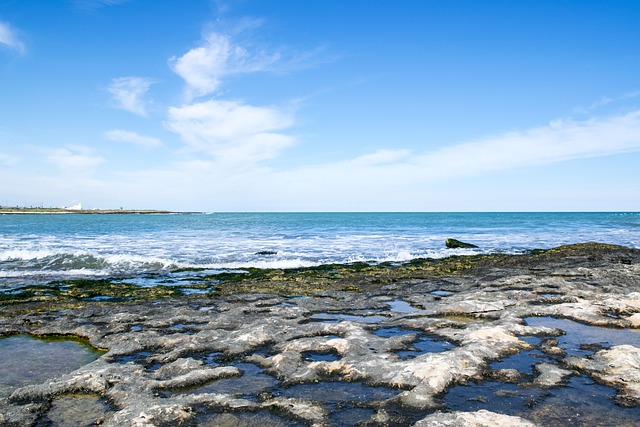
62,211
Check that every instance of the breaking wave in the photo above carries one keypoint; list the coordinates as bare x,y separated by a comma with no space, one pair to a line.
44,247
42,263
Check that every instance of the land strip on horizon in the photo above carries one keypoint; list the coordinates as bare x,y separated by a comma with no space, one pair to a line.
23,210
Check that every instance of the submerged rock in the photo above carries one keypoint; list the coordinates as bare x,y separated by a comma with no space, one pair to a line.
618,367
457,244
180,361
550,375
479,418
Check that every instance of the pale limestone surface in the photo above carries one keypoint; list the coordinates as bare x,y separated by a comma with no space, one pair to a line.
481,418
157,350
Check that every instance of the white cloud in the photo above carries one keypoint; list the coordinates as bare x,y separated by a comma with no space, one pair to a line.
92,5
605,101
232,132
561,140
391,179
9,39
128,92
203,67
458,177
132,137
380,157
7,161
401,179
74,159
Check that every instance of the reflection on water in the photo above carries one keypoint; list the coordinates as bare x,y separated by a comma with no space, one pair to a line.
580,402
251,383
338,392
577,334
424,343
577,401
25,360
441,293
401,306
338,317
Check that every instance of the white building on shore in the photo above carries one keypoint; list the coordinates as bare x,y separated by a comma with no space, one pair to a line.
76,207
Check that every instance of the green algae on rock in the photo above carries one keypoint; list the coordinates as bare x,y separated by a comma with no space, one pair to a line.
457,244
81,290
184,359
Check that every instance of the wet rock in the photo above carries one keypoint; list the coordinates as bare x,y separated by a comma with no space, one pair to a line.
243,420
618,367
634,320
506,375
472,307
481,418
77,411
159,347
550,346
177,368
197,377
550,375
457,244
266,253
20,416
299,408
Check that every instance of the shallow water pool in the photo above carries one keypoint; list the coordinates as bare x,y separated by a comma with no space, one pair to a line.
25,360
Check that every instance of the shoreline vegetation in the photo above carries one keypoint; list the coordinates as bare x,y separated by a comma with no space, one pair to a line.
32,210
358,277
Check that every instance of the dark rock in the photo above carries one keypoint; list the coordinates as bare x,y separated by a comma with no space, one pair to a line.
266,253
157,373
454,244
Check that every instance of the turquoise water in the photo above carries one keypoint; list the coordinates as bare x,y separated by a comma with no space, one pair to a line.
42,247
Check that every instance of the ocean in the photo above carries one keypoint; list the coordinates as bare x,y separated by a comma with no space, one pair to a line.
39,248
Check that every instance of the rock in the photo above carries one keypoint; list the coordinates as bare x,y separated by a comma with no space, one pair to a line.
266,253
506,375
617,367
457,244
550,375
77,411
635,320
479,418
161,347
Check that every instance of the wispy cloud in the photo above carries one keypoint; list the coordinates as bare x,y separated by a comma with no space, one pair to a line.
74,159
132,137
560,140
607,100
218,56
391,179
230,131
231,51
404,179
129,92
93,5
9,38
7,161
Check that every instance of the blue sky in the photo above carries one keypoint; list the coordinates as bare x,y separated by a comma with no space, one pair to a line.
321,105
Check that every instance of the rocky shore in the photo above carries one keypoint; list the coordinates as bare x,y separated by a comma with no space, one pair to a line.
516,340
